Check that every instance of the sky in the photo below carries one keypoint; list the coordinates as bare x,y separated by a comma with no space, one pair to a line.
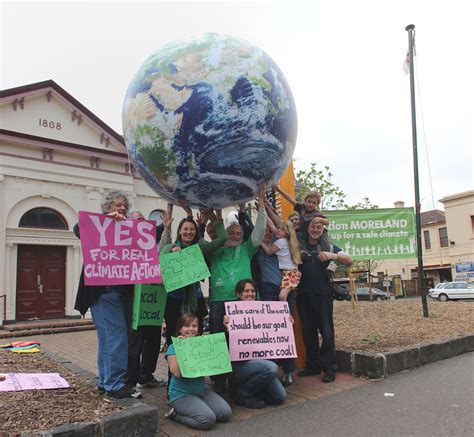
343,60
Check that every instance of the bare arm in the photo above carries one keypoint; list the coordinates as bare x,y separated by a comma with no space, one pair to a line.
274,217
174,366
269,249
341,257
285,195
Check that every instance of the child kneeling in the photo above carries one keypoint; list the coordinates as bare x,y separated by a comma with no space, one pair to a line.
192,402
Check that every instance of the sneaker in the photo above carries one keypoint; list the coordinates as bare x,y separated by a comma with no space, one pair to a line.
171,414
329,377
250,402
287,380
127,391
153,383
308,372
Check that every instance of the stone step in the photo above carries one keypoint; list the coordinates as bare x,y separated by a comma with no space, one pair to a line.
46,330
46,324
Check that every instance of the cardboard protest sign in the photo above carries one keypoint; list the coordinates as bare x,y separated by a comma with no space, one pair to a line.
202,356
118,252
260,330
148,305
32,381
182,268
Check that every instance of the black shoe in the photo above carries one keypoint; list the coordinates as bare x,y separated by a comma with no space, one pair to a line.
250,402
309,372
287,380
127,391
329,377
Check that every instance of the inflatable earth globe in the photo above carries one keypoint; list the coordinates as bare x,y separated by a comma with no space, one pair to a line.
208,121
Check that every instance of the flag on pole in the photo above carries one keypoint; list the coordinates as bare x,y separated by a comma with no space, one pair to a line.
406,64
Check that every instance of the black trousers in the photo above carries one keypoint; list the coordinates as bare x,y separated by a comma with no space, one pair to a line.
315,312
143,349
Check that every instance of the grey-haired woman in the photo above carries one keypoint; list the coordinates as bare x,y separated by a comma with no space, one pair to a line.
110,309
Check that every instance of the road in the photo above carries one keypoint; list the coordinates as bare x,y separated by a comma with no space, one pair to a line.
434,400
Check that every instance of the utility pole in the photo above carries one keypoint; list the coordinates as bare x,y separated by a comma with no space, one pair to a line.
421,275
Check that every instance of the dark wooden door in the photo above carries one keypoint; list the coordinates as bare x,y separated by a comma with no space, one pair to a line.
41,282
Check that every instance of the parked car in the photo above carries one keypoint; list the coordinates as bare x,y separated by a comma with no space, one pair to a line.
453,291
363,294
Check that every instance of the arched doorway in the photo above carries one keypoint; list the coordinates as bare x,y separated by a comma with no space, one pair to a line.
41,270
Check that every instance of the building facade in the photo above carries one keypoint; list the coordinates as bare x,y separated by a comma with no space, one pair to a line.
56,158
447,244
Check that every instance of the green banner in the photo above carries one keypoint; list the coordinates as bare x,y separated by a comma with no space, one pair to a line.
202,356
148,305
182,268
374,233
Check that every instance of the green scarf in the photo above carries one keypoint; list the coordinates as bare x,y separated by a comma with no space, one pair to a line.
189,304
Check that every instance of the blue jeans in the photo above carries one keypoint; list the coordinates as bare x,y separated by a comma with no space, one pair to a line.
201,412
258,378
110,315
269,292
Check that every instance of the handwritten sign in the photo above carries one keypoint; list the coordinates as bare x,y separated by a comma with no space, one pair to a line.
202,356
148,305
260,330
182,268
118,252
32,381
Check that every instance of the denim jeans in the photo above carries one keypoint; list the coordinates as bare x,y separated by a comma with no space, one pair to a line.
315,311
111,315
258,378
201,412
269,292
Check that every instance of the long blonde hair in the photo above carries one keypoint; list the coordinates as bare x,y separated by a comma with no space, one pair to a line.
287,226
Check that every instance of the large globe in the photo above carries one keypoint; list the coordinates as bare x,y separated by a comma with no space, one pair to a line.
207,121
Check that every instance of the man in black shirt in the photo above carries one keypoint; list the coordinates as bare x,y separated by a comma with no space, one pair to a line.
314,302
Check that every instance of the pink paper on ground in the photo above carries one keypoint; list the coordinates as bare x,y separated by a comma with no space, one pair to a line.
32,381
260,330
118,252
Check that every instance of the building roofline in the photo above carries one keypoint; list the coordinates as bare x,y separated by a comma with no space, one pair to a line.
26,89
457,196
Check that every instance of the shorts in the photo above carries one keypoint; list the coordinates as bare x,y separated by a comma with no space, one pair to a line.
290,278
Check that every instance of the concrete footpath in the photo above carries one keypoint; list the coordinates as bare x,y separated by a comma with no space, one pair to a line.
80,348
434,400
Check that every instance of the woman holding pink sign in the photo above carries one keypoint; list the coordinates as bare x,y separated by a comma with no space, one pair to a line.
254,383
110,307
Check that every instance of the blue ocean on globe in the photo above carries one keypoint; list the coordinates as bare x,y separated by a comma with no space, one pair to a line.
206,122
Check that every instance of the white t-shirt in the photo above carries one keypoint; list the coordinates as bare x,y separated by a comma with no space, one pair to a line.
284,256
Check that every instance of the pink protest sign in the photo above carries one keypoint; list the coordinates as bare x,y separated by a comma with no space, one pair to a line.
260,330
32,381
118,252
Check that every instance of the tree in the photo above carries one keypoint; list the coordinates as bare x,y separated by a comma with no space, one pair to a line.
332,196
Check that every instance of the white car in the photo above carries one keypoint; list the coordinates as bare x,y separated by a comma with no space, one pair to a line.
453,291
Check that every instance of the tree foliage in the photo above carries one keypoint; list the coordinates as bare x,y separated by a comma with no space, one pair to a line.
332,196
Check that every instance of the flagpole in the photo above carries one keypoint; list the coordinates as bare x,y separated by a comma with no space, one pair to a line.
421,275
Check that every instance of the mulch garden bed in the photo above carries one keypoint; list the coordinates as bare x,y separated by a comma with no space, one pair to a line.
44,409
385,325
